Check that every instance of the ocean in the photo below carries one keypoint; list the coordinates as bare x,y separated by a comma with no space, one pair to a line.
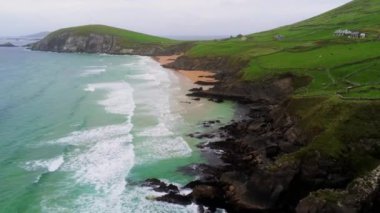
79,132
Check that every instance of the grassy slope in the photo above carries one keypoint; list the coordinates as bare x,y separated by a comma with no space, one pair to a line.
347,131
334,111
310,48
125,36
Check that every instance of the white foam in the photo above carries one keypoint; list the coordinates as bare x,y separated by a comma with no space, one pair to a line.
95,71
176,147
89,88
136,199
119,99
94,135
104,164
96,66
147,77
153,68
159,141
160,148
37,179
157,131
49,165
186,192
101,159
128,64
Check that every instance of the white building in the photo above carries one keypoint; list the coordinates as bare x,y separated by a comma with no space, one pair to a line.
343,32
350,34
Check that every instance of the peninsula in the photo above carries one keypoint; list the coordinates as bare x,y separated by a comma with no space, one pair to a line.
311,139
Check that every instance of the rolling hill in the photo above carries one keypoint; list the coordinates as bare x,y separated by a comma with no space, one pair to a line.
105,39
125,35
343,65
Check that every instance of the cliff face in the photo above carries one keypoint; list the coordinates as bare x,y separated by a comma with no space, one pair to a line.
290,153
102,43
362,195
273,89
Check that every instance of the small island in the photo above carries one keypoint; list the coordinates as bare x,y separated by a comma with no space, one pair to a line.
7,44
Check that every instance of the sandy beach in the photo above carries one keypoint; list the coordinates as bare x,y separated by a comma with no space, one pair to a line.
193,75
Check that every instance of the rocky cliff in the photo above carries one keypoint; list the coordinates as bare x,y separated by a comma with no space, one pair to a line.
288,154
305,155
96,42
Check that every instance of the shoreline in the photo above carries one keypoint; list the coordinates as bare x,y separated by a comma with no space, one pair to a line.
249,171
272,162
201,76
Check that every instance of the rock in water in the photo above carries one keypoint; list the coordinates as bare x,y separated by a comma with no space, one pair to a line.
175,199
160,186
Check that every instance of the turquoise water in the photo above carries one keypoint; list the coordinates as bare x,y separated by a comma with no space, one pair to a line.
78,131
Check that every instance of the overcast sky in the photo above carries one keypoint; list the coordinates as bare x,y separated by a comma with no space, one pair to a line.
159,17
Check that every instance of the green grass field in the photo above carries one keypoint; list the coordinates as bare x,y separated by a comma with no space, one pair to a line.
341,104
311,48
126,36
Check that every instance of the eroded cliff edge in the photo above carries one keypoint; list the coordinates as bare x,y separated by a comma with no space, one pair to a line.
290,153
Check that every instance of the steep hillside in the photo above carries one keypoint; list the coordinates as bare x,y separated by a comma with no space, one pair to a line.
105,39
337,64
317,150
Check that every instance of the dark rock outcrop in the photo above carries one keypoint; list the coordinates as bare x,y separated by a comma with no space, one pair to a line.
205,83
207,63
160,186
175,199
362,195
257,175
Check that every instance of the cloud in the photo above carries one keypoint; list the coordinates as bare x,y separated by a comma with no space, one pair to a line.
160,17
